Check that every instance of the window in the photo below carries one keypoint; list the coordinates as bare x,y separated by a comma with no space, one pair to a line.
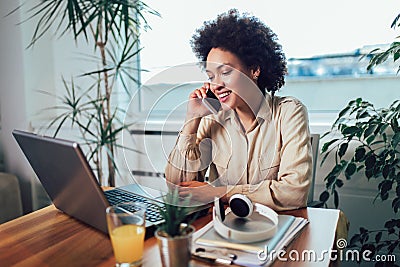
322,41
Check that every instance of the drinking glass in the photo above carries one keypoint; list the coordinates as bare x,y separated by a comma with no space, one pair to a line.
126,227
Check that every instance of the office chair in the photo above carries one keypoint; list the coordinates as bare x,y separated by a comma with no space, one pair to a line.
10,200
314,147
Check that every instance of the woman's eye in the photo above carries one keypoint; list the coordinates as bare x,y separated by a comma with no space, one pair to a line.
210,78
227,72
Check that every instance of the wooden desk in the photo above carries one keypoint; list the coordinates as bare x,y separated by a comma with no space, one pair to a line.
48,237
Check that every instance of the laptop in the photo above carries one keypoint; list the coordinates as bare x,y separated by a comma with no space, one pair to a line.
65,174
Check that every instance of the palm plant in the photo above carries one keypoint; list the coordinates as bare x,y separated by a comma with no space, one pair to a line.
113,27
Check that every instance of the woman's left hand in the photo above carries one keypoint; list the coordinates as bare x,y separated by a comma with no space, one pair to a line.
201,191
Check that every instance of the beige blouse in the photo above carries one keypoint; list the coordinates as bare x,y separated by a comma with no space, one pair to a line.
270,163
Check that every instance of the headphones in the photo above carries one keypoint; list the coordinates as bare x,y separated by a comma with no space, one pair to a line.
244,222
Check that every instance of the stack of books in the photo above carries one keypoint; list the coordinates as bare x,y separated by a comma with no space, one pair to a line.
210,246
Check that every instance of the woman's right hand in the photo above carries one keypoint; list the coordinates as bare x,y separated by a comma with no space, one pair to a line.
195,108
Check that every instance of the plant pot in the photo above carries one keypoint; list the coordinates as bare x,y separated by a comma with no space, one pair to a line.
175,251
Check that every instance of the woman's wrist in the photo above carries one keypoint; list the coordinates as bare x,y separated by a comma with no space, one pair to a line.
191,125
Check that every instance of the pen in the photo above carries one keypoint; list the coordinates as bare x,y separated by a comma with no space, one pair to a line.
211,258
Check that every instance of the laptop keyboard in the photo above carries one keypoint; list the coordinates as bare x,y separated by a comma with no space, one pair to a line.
116,196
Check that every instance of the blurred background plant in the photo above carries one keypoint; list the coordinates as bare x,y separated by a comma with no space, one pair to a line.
366,140
113,26
379,56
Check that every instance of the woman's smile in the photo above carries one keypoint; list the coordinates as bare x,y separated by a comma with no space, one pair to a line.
223,96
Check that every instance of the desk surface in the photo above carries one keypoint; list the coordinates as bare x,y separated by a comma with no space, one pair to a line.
48,237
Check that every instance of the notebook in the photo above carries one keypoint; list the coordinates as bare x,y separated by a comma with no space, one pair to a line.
65,174
208,243
212,238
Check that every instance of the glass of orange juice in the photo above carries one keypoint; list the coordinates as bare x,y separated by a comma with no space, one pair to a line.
126,227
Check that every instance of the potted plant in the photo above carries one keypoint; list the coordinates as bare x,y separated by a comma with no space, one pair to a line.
174,236
113,28
366,140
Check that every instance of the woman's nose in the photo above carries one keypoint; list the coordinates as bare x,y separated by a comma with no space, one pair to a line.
217,83
215,87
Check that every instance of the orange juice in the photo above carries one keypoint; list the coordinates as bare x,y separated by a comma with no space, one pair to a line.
127,242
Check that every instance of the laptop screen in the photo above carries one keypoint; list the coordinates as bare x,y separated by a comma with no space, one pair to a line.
66,176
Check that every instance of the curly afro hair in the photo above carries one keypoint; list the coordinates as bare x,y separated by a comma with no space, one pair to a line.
250,40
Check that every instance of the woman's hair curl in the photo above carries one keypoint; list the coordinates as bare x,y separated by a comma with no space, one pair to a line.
254,43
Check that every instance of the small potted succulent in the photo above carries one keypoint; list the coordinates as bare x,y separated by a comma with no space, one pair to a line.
174,236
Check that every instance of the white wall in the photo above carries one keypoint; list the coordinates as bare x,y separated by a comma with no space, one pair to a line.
13,101
24,73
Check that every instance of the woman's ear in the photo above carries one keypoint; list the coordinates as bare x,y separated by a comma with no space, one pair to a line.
255,72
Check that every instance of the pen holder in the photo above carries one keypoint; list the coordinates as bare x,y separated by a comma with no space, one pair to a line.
175,251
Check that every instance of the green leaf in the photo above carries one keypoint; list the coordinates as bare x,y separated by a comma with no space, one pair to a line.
385,186
336,198
330,180
370,162
384,137
383,128
395,124
378,237
369,173
351,130
324,158
385,171
396,55
175,213
370,129
362,114
384,196
378,128
394,23
390,224
395,140
360,168
350,170
326,145
339,183
363,230
396,204
342,149
347,108
370,139
359,154
343,112
324,196
337,169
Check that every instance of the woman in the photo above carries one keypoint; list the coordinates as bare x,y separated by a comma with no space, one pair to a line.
258,144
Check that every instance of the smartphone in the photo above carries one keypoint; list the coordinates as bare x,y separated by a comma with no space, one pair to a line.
212,102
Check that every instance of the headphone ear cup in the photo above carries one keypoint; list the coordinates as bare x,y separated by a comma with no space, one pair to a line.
241,205
218,210
221,209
